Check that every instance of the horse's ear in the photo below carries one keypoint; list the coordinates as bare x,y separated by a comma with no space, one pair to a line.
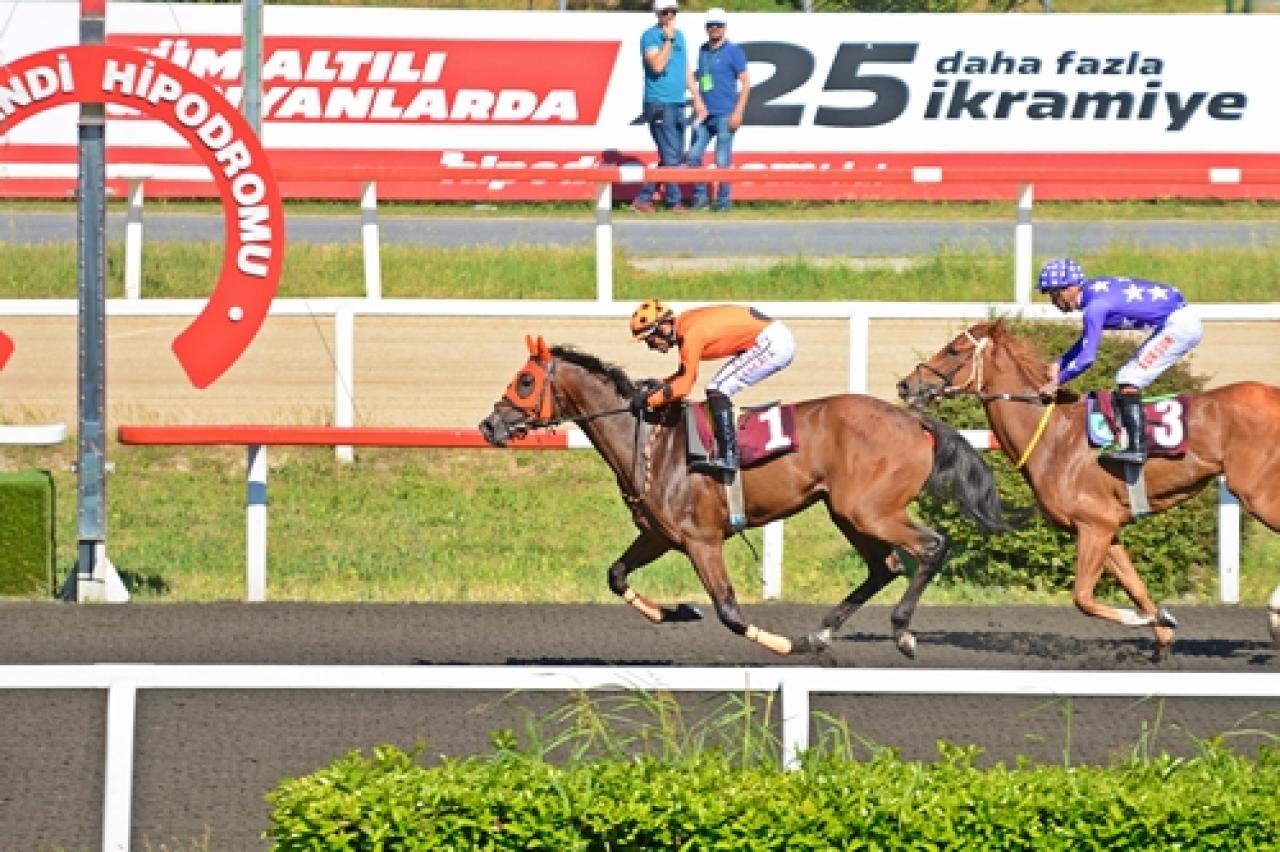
543,353
531,344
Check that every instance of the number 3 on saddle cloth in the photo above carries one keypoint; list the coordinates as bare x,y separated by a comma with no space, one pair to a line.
764,431
1164,418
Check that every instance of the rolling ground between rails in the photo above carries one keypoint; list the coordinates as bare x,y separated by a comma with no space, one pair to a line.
205,758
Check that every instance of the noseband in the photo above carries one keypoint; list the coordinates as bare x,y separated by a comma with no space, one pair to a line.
541,404
972,384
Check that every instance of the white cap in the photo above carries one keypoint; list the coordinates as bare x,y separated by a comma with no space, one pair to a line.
659,5
716,15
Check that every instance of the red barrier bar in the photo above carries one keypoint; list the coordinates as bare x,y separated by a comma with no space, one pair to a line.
328,436
923,172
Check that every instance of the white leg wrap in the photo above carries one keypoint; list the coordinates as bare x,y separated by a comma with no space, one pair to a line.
1130,618
775,643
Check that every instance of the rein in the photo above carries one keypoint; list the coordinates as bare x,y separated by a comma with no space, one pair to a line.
583,418
972,386
1035,438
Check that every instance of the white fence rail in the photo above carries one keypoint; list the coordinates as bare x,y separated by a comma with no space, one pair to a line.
858,315
794,687
33,436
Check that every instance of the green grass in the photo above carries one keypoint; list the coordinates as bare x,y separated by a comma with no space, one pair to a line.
446,526
531,272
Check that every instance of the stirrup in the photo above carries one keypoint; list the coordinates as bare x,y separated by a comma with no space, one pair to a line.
719,464
1127,455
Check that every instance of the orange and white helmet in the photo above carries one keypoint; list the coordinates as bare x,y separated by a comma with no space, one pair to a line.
646,317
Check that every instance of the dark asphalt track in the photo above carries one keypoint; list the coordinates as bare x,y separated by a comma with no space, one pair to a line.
205,758
669,236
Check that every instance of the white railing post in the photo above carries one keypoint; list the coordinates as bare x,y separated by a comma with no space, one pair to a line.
255,524
133,241
771,569
1228,544
793,689
859,343
344,359
369,240
117,782
604,242
1022,246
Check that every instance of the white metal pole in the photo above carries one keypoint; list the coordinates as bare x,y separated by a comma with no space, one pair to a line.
133,241
1228,544
117,782
369,239
344,358
793,688
771,570
604,242
1022,246
255,524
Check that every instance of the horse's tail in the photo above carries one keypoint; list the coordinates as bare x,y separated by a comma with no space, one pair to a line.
960,474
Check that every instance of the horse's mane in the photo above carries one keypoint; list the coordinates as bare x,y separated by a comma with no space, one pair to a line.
1024,352
612,373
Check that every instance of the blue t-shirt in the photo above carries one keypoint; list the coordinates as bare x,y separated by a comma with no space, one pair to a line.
1116,303
717,75
668,87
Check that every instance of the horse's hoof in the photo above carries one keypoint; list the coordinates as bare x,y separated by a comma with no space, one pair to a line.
1165,618
907,644
812,643
1162,653
682,613
1273,622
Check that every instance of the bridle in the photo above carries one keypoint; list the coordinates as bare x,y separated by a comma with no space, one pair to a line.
533,393
973,384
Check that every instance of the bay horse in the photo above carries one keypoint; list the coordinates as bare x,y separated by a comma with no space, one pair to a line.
1232,430
862,457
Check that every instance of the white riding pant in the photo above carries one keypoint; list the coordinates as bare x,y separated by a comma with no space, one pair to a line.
774,348
1179,334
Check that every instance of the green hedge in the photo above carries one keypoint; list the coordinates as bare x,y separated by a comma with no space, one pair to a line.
387,801
1175,552
26,533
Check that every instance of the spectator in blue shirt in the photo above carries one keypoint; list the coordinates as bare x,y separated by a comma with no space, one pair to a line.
667,78
721,79
1113,302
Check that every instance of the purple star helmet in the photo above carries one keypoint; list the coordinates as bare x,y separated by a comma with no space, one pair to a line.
1060,272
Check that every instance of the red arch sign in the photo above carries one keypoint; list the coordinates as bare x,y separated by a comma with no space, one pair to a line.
253,212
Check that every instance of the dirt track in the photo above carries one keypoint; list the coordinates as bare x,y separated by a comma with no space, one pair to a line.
431,372
204,759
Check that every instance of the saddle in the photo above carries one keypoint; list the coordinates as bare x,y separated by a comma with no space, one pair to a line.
1163,417
764,431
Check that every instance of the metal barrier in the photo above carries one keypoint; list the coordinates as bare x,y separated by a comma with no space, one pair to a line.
33,436
257,438
794,687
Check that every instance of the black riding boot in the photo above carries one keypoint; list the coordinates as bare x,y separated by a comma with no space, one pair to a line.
1129,406
726,432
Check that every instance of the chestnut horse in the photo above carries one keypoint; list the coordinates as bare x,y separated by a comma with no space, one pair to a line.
862,457
1232,430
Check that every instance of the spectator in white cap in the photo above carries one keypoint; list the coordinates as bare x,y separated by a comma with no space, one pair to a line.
721,81
667,79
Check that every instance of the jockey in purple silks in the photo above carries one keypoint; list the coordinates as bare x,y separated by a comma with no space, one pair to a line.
1114,302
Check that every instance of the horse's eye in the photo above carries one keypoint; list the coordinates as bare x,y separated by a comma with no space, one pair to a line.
524,385
951,350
